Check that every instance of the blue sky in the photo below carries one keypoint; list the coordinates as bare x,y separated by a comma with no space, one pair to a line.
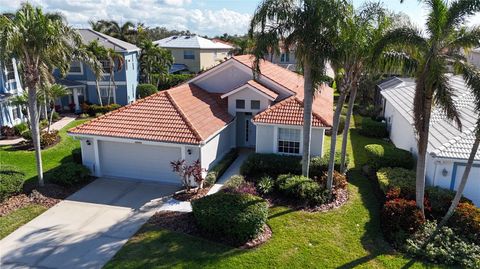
205,17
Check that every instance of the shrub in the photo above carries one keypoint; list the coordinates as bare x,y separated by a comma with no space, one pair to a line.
388,156
83,116
93,110
77,156
43,124
7,131
258,164
98,114
302,188
20,128
11,181
234,182
372,128
48,138
400,219
85,107
27,135
396,177
244,187
339,180
441,199
220,168
341,126
69,174
445,247
144,90
319,165
172,80
55,116
235,217
466,221
265,185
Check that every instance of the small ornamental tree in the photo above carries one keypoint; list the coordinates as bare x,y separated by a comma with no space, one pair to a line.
188,172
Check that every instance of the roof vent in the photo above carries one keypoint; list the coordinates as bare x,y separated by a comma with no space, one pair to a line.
187,37
175,37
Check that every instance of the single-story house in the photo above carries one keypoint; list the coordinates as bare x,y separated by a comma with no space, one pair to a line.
203,119
448,147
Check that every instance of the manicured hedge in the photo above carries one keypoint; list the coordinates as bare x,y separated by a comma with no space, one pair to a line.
302,188
172,80
232,216
440,200
388,156
258,165
396,177
94,110
144,90
372,128
20,128
11,181
400,219
220,168
69,174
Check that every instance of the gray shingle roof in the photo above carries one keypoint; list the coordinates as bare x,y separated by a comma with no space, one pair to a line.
194,42
107,41
445,139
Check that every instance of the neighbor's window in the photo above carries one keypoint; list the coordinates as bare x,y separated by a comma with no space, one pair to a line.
10,70
107,95
240,104
75,67
255,104
105,66
15,112
288,140
189,54
285,57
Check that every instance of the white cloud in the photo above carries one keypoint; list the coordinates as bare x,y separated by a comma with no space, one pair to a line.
172,14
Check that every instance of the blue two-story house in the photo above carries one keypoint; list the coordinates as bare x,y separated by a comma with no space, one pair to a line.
10,86
81,80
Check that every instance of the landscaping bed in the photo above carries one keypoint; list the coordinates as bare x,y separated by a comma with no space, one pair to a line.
191,195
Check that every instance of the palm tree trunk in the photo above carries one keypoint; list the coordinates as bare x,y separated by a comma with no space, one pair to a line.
307,116
333,144
463,182
351,102
421,159
32,106
98,92
50,119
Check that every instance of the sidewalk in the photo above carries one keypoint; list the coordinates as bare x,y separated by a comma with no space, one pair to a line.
55,126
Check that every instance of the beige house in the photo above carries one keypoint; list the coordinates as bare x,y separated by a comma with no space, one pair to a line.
194,52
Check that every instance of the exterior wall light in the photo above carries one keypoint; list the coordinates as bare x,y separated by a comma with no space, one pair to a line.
189,151
88,142
444,172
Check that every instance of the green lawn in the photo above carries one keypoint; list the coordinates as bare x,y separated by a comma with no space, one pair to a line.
25,161
14,220
51,157
347,237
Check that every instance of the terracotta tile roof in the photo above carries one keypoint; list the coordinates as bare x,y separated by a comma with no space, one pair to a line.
289,112
323,100
184,114
262,88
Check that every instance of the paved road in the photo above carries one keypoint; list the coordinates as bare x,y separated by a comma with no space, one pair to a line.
87,229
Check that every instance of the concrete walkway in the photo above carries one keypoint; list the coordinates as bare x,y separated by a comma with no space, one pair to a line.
87,229
55,126
234,169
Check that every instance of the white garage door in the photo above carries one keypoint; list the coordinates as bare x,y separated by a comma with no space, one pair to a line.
472,189
138,161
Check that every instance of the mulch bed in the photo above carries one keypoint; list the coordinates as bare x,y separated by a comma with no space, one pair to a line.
47,196
28,145
191,195
184,222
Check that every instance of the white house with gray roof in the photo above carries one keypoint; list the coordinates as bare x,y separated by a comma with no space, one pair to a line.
448,147
194,52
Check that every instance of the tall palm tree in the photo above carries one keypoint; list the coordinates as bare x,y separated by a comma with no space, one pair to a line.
310,25
433,54
359,30
38,40
99,53
112,28
154,61
116,62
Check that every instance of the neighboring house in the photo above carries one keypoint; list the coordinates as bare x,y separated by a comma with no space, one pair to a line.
194,52
81,80
203,119
10,86
474,57
449,148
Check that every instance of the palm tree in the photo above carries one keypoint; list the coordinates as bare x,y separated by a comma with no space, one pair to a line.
37,41
112,28
432,55
116,62
99,53
472,77
22,102
309,25
154,61
360,29
54,92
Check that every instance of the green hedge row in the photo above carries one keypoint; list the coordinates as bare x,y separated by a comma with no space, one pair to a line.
388,156
372,128
220,168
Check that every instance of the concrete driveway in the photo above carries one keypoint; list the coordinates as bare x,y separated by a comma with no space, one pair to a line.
87,229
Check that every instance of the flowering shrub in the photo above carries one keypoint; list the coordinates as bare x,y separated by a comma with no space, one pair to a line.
400,218
466,220
188,172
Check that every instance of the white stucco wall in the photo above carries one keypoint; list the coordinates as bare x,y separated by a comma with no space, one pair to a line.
226,79
401,131
267,139
88,153
248,95
474,58
218,146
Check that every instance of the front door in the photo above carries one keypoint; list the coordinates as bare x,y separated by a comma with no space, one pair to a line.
246,130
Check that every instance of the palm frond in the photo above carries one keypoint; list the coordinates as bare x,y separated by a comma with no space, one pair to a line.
459,10
471,74
466,39
405,37
444,98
